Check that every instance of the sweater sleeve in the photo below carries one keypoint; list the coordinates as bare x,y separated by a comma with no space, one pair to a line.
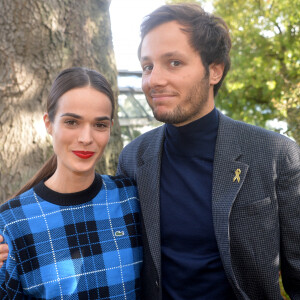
10,284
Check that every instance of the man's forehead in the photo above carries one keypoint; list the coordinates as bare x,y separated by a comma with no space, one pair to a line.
162,31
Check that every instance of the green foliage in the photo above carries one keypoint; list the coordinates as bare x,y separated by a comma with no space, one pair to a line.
265,58
284,295
263,83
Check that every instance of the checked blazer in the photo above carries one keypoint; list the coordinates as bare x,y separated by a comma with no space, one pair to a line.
256,219
83,245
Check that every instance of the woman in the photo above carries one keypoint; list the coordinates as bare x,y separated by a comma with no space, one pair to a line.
73,234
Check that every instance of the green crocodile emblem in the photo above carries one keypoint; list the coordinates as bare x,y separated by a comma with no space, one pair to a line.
119,233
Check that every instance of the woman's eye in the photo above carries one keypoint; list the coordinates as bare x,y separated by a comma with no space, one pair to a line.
101,126
71,122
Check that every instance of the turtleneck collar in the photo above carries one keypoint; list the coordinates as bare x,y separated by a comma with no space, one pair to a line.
197,138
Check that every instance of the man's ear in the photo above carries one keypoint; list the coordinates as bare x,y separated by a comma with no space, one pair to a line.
215,73
47,123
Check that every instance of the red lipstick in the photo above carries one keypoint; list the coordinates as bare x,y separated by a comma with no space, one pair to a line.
84,154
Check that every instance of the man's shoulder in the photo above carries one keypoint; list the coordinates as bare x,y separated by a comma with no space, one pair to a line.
133,154
251,133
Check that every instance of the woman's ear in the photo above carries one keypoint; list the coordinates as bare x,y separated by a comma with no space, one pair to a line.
215,73
47,123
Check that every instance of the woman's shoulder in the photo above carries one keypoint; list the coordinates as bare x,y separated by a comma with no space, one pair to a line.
12,211
118,181
124,187
17,202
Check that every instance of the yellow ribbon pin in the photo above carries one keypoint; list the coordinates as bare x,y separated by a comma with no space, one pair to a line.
237,175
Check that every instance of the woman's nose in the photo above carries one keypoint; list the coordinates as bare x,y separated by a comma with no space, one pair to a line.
85,137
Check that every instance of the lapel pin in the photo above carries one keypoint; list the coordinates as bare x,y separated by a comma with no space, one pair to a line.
237,175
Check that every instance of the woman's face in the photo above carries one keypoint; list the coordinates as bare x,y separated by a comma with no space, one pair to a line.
80,130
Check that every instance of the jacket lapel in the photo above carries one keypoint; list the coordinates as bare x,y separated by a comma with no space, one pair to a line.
228,177
148,187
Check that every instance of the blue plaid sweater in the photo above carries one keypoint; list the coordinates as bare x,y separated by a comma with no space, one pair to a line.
85,245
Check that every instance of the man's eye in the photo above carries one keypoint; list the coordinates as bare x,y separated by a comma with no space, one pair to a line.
147,68
175,63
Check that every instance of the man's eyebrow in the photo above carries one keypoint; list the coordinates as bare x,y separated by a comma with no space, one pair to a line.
168,54
144,58
75,116
173,53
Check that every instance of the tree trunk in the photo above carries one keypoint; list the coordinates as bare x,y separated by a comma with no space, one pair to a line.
38,40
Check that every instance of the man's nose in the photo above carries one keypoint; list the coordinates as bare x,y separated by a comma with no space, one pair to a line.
157,77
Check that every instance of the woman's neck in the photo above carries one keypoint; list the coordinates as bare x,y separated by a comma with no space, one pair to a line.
69,183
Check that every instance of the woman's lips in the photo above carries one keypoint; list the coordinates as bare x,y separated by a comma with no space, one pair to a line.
84,154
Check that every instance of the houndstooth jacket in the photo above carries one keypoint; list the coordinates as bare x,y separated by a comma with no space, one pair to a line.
256,219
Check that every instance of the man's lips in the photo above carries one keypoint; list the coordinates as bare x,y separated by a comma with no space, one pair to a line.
84,154
155,96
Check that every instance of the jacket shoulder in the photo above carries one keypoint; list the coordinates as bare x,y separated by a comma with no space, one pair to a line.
132,155
144,140
252,134
257,143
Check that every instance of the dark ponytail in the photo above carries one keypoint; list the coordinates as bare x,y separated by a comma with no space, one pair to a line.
45,171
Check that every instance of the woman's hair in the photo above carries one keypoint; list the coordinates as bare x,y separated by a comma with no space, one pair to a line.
67,80
208,34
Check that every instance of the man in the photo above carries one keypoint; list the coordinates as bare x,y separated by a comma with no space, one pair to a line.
219,198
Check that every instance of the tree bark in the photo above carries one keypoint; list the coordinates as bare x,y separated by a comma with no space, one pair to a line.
38,40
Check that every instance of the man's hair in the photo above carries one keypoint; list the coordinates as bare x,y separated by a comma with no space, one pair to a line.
208,34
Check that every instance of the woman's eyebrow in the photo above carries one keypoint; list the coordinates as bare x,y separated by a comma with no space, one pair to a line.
71,115
75,116
102,119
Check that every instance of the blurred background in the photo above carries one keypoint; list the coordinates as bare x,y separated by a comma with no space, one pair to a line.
40,38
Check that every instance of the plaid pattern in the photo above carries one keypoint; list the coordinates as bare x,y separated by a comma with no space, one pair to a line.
90,250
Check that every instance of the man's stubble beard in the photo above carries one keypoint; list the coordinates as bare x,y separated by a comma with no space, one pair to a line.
198,96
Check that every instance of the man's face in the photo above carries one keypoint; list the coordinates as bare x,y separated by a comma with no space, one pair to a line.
175,82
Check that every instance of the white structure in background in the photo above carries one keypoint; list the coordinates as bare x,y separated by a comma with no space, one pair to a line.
135,115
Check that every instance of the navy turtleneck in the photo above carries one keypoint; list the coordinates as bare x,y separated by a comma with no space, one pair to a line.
191,263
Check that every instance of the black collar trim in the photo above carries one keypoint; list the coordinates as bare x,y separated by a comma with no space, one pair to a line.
69,199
